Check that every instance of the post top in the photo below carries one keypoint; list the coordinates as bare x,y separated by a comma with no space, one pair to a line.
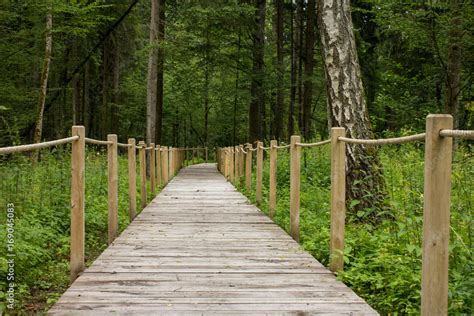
439,116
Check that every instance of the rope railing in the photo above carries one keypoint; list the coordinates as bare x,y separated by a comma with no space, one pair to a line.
30,147
384,141
282,147
324,142
462,134
164,163
97,142
438,139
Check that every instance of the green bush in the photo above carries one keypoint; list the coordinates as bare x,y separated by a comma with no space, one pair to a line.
383,258
41,195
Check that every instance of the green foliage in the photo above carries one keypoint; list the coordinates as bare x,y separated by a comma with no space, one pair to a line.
383,260
41,195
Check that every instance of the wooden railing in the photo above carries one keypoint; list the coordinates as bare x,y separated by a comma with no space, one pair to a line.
437,194
164,163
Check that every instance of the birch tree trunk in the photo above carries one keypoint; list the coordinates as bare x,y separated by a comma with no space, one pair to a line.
44,82
346,102
152,74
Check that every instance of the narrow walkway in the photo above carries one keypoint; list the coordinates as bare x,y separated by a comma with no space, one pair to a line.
201,248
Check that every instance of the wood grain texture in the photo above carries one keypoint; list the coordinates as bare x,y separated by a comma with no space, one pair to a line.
200,248
295,161
132,179
77,202
112,174
338,199
436,215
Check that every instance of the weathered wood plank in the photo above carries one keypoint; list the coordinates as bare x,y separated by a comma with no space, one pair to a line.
201,248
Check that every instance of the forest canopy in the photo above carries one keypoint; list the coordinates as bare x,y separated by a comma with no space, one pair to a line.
224,63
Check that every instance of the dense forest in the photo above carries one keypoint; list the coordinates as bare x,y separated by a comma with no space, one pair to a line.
220,73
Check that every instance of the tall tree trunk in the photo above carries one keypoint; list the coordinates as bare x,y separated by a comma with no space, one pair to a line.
346,103
280,93
291,111
152,79
453,71
308,68
87,116
160,71
60,127
104,113
76,86
206,86
299,54
257,103
44,82
236,95
114,113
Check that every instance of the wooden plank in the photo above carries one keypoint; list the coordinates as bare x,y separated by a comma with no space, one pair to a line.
201,247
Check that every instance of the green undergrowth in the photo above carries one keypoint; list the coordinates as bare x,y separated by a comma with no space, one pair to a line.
383,257
41,195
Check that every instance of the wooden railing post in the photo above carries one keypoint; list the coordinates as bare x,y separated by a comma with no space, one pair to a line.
338,199
236,164
231,164
164,164
273,179
248,168
436,216
132,179
77,202
295,188
152,170
241,163
226,163
171,163
112,166
142,156
158,165
206,154
258,186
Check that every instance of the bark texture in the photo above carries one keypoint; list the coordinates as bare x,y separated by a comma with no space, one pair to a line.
257,103
280,93
160,71
346,102
308,69
44,79
291,110
152,78
453,67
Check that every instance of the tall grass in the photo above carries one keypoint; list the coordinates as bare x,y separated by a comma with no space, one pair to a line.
41,196
383,257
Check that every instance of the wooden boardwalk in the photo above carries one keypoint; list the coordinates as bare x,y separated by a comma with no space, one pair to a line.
201,248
